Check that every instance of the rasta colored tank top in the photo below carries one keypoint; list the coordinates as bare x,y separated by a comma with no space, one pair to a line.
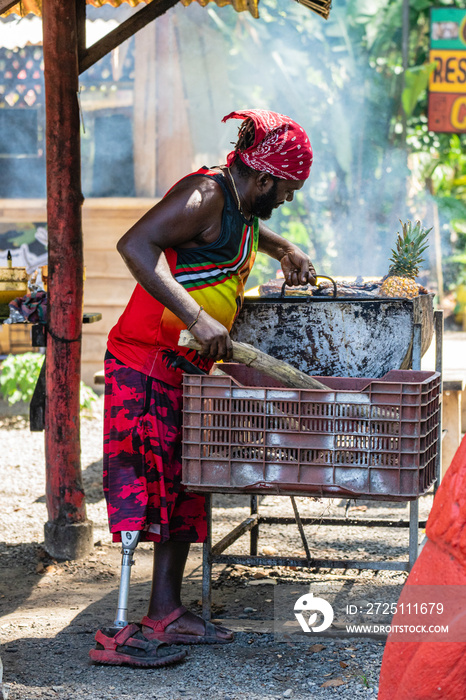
213,274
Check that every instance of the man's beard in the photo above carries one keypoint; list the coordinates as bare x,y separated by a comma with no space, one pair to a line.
265,203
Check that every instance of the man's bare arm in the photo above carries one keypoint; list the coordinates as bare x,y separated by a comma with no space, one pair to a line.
296,265
192,210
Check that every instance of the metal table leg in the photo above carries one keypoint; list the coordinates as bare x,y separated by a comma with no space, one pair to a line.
413,532
255,529
207,563
300,528
414,505
438,325
416,361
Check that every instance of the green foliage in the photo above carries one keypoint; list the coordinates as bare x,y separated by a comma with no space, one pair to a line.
457,263
452,208
19,375
416,82
364,680
410,245
86,398
294,221
265,268
438,166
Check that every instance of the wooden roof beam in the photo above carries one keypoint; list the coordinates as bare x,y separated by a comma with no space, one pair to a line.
6,5
124,31
81,27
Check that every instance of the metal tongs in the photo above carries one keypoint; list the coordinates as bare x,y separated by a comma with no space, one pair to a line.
174,360
324,277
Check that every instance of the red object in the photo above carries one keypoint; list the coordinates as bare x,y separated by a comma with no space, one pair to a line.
431,670
447,112
64,491
127,647
281,147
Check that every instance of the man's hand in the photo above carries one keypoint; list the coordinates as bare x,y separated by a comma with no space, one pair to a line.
214,338
297,268
296,265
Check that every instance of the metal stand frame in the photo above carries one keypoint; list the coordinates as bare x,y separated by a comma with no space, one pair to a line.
213,553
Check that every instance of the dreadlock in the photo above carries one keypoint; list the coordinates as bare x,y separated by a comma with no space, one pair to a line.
246,136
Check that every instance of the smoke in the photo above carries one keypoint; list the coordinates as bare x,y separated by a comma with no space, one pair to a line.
294,63
153,109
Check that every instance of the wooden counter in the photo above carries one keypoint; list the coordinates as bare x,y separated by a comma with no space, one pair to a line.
108,284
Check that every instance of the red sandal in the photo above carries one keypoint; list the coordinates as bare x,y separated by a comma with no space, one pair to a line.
130,647
158,628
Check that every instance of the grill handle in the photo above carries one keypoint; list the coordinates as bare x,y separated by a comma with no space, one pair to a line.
324,277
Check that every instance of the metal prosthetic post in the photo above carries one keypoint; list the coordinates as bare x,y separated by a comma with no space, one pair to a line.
129,542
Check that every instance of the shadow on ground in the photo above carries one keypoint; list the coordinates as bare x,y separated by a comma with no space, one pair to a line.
61,663
18,562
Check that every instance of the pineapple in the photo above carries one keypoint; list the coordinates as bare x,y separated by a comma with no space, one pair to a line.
406,258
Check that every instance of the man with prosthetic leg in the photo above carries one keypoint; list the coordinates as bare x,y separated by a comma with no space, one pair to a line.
191,255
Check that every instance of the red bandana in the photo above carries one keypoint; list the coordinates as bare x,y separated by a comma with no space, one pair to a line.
281,147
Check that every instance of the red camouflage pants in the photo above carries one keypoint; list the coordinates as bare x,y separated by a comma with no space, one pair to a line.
142,459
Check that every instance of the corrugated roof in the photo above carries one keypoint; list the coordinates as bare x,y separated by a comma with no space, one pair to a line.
26,7
28,30
239,5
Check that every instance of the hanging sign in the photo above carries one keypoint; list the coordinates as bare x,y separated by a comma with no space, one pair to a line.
447,85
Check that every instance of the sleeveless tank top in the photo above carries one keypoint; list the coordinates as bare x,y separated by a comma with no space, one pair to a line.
213,274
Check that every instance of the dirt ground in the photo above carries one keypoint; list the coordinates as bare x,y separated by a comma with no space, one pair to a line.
50,611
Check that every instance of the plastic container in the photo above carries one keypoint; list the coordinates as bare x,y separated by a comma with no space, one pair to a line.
244,433
13,283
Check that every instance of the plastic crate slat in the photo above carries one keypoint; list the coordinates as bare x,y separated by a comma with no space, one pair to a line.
378,439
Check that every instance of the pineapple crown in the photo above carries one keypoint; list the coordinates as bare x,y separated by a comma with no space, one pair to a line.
410,245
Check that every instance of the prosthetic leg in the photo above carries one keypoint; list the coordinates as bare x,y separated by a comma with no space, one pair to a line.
129,542
124,644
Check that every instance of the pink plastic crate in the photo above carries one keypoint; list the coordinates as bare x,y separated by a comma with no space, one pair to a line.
363,437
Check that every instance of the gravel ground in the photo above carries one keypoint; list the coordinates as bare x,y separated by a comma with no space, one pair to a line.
50,611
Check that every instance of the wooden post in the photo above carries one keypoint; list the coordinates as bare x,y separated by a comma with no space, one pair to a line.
174,146
68,534
145,112
404,55
436,249
451,420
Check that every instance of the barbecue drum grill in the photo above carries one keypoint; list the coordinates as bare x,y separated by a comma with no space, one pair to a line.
340,337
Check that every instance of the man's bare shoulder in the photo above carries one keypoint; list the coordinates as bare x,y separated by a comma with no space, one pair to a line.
197,192
190,212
